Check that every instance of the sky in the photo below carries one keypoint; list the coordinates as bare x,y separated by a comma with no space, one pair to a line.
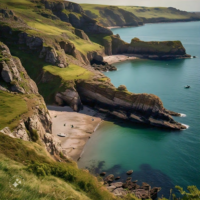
187,5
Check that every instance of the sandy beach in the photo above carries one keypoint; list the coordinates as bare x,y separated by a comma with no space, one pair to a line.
120,58
84,124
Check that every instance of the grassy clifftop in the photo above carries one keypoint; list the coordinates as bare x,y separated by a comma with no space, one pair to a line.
114,15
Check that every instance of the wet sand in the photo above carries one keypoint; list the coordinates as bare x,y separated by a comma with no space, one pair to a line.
84,124
120,58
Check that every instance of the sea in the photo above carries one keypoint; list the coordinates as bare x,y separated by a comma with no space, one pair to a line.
162,158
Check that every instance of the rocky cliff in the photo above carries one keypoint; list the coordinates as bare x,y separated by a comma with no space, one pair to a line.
74,14
140,108
35,124
152,50
113,16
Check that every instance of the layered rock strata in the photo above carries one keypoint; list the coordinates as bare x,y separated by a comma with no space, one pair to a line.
139,108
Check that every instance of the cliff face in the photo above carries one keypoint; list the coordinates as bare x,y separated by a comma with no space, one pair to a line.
136,15
36,122
153,50
140,108
74,14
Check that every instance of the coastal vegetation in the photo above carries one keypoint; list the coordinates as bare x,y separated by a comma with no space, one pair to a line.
135,15
57,42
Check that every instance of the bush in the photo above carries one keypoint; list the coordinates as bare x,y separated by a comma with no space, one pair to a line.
122,88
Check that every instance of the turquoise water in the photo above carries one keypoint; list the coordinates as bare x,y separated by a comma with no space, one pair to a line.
160,157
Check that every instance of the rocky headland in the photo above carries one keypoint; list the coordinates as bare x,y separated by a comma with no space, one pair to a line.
68,65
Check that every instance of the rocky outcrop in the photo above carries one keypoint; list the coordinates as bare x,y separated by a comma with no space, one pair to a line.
33,42
104,68
8,14
73,14
62,5
152,50
69,97
82,35
139,108
36,124
121,189
14,74
51,56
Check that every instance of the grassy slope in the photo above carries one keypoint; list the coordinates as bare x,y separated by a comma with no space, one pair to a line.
31,161
51,31
9,114
46,27
145,12
149,12
16,158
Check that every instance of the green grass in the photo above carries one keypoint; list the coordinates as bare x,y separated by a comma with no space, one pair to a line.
30,160
72,72
46,28
159,47
149,12
141,12
12,107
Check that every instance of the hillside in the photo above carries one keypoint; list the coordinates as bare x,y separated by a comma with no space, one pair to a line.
135,15
48,49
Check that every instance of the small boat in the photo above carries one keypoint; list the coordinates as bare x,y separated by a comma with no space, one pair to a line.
187,86
61,135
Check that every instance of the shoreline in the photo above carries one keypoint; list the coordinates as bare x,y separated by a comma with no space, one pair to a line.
84,124
113,27
121,58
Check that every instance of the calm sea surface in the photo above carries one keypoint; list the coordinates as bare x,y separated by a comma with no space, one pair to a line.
161,158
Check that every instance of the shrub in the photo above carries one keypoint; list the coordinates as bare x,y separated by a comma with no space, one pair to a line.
122,88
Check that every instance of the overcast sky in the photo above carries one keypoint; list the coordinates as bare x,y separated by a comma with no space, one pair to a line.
188,5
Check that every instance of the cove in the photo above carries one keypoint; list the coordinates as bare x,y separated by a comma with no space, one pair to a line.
162,158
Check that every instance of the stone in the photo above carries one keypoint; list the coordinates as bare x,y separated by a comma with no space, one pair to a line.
5,72
109,178
129,172
17,88
102,173
117,178
117,184
111,188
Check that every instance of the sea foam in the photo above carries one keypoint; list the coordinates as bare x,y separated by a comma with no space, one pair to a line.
187,126
182,115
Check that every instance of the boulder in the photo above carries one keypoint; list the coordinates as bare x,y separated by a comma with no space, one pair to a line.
109,178
117,184
129,172
102,173
69,97
117,178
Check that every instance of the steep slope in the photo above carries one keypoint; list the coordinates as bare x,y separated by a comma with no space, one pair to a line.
30,120
26,137
152,50
135,15
111,15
